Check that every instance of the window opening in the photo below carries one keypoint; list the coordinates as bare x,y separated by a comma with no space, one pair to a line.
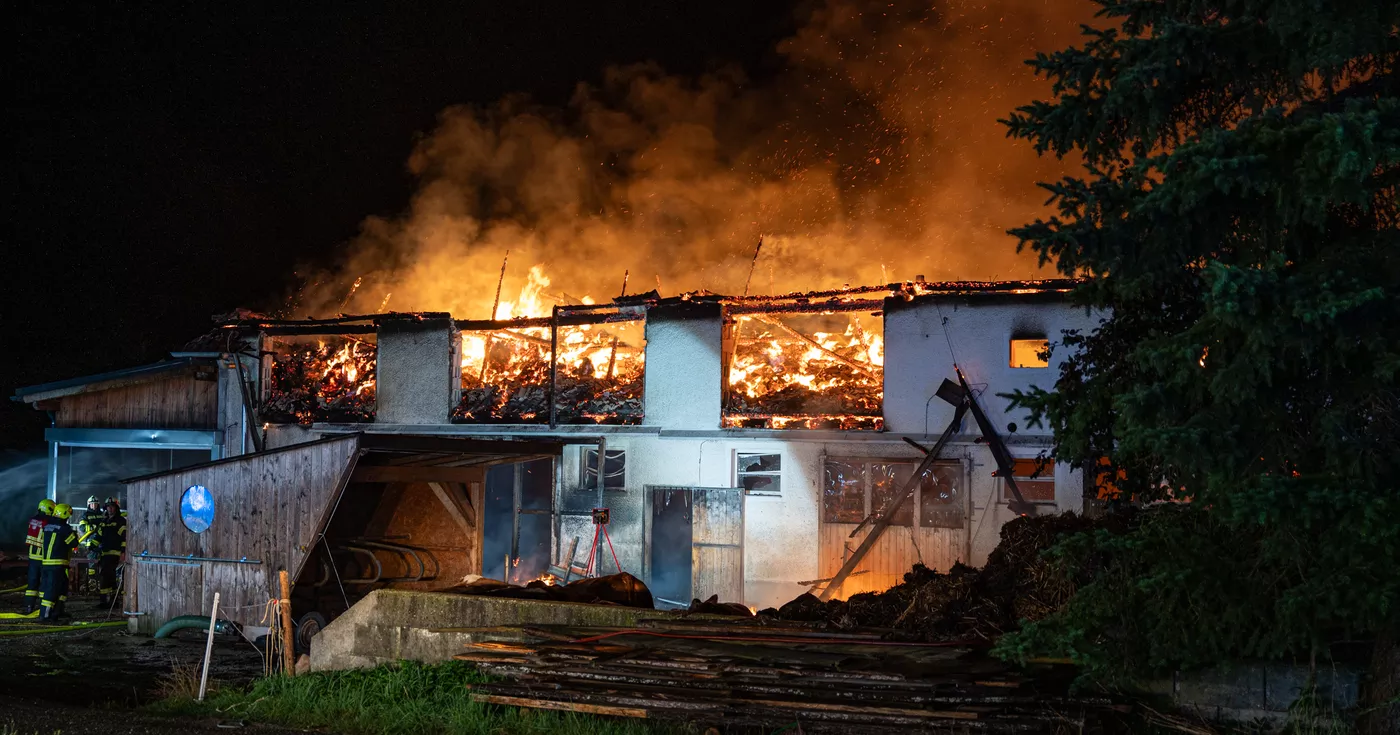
614,469
1030,353
760,474
854,488
1035,478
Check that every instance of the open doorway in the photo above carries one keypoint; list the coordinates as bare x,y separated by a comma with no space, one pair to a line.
695,541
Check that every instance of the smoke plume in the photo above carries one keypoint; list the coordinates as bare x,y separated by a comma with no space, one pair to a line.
22,486
873,156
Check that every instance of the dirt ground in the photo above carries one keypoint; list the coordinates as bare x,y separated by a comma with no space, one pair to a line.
93,681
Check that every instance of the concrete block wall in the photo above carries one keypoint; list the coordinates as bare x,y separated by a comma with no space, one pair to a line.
418,378
683,366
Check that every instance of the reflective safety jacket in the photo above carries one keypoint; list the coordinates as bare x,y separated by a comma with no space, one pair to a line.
35,533
110,534
87,527
57,542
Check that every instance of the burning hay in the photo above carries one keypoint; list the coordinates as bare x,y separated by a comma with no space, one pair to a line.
1017,585
506,376
331,380
781,378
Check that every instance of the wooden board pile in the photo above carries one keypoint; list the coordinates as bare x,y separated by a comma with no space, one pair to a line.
745,674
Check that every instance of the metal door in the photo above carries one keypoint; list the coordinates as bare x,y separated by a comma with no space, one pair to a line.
696,543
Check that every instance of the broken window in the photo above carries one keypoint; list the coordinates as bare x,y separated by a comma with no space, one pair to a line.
1030,353
614,469
1035,478
855,488
760,474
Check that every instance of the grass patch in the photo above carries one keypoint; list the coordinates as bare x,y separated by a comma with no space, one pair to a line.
403,699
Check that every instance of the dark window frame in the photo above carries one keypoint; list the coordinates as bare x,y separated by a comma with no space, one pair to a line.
614,480
918,506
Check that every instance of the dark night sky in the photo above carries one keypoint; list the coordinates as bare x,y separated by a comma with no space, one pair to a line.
171,163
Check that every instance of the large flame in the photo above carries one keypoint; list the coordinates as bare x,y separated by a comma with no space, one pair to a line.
505,372
781,378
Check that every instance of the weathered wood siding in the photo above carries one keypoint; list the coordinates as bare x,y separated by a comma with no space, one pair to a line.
266,507
179,402
896,551
717,543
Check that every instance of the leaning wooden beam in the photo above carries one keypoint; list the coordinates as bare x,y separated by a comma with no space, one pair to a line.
454,509
771,321
887,514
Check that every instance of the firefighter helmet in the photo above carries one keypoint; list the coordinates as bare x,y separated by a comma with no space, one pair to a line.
46,506
92,500
63,510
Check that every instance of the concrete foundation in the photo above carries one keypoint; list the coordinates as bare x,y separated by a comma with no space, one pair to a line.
1258,692
394,625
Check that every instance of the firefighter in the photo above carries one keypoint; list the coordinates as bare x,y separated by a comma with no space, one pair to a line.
56,547
111,544
32,540
87,533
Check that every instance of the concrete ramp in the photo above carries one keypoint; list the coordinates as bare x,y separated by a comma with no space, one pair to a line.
396,625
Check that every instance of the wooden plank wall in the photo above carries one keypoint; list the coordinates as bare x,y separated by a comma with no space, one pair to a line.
717,543
266,507
893,554
181,402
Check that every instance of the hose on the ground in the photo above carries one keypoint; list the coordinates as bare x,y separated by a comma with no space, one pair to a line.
63,628
14,589
191,621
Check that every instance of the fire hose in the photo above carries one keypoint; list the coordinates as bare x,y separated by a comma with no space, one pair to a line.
63,628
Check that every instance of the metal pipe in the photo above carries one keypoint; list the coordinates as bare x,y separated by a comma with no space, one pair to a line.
192,557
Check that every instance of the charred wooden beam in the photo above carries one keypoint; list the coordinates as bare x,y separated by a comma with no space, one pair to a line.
887,513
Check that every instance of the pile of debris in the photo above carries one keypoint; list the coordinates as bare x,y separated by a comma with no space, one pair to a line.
1018,584
581,399
332,380
767,674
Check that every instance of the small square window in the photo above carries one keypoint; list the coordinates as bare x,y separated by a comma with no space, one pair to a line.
1035,478
760,474
1030,353
614,469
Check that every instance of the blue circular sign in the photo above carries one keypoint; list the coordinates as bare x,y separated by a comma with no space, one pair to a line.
197,508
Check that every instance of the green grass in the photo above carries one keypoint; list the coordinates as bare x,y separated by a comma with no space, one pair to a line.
403,699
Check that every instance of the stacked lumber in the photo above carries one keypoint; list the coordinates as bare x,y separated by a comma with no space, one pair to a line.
748,674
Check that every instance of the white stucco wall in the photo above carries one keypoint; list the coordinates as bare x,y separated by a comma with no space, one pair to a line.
918,358
682,378
780,532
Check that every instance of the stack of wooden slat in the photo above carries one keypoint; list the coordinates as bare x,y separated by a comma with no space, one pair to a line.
771,676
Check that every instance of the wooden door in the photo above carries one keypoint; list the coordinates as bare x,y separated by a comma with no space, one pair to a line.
717,543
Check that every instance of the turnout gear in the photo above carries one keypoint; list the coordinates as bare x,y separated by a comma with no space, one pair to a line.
56,546
33,540
110,533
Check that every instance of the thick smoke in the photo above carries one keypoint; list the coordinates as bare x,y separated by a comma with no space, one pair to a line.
874,156
22,486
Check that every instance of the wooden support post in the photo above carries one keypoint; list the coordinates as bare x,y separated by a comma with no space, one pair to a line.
285,603
553,367
887,514
208,648
1006,469
486,356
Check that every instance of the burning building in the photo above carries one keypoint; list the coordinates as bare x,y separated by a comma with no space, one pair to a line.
744,446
